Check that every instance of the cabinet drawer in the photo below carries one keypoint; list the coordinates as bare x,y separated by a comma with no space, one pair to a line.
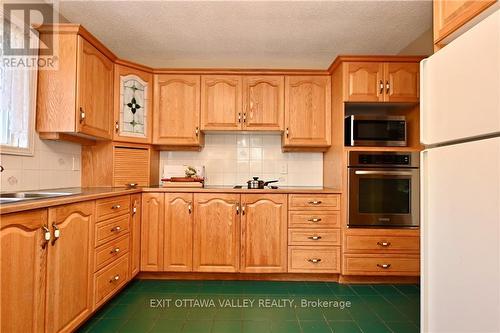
382,244
307,219
109,280
314,202
319,259
111,207
365,264
313,236
111,229
109,252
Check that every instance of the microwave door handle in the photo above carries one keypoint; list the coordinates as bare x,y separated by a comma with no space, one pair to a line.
385,173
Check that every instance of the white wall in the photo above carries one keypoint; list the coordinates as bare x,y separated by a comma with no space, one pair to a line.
232,159
51,166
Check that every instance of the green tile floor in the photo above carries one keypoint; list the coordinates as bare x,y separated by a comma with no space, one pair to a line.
372,308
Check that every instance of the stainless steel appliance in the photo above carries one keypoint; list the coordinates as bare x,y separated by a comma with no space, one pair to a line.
367,130
383,189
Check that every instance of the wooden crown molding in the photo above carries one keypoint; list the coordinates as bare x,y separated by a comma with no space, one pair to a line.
369,58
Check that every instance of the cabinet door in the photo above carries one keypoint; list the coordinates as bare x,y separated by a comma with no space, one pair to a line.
402,81
363,82
221,102
216,234
178,244
152,232
23,258
133,92
263,100
307,111
263,233
177,110
135,233
94,91
70,266
449,15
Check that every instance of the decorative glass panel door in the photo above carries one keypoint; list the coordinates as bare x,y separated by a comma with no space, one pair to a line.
133,107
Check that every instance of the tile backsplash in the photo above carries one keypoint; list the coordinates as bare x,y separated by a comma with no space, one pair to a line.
232,159
53,165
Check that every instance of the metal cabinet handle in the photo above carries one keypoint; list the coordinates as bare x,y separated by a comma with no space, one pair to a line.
381,87
384,266
237,209
117,126
132,185
315,237
190,207
197,131
243,209
116,207
114,278
239,117
314,260
46,236
115,250
244,117
287,132
315,202
116,229
387,87
82,115
385,244
314,219
57,233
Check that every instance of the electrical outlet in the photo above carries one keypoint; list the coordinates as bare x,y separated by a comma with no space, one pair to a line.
76,164
283,168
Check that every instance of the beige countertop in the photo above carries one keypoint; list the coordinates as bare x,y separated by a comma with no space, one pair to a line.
92,193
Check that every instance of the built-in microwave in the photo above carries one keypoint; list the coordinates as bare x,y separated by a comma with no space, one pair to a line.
366,130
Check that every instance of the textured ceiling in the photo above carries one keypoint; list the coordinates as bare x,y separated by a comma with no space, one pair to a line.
250,34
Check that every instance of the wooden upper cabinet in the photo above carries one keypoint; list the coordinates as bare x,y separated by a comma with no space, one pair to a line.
216,235
381,81
95,91
221,102
23,259
178,240
135,234
152,231
263,100
75,98
177,110
70,266
402,81
364,82
133,92
307,111
264,233
451,15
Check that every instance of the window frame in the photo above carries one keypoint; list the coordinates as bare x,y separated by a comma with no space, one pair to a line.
33,86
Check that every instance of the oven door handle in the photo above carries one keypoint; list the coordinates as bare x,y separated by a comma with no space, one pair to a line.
385,173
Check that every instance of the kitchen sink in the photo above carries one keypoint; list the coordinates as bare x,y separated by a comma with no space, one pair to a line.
21,196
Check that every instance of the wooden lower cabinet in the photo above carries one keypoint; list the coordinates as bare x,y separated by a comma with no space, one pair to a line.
263,233
135,234
23,260
152,232
216,236
382,264
110,279
314,259
69,266
178,235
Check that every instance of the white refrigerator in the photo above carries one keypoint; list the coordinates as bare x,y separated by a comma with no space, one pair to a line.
460,183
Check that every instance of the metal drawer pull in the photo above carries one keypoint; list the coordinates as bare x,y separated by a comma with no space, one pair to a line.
115,278
315,202
387,87
315,237
46,236
314,261
314,219
116,229
384,266
57,233
115,250
381,87
384,243
116,207
190,208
